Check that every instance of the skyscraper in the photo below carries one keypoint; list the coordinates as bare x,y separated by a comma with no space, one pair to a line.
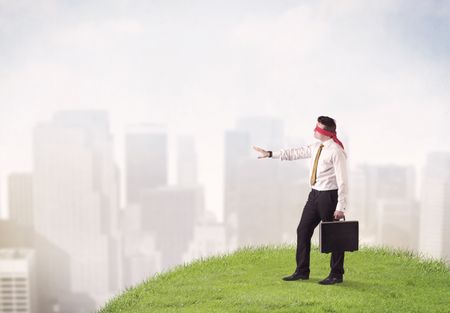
146,159
169,213
51,264
187,168
237,145
75,197
435,206
258,208
17,281
20,198
208,239
382,195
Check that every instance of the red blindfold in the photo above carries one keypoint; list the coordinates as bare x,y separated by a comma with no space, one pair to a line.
329,134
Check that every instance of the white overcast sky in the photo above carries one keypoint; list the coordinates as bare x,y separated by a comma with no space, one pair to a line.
381,68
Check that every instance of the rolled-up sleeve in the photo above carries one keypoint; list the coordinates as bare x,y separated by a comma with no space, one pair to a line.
340,166
291,154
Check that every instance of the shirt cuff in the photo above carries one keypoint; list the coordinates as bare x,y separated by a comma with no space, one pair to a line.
340,208
276,154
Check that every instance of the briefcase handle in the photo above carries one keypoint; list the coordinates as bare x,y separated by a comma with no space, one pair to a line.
338,219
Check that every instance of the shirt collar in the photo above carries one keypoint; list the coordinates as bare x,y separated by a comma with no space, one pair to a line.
327,142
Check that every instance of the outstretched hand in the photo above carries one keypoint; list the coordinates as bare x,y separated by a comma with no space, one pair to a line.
263,153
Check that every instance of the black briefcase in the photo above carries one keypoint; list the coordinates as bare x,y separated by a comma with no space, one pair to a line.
339,236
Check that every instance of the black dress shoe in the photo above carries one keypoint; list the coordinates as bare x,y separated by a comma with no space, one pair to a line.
330,280
296,276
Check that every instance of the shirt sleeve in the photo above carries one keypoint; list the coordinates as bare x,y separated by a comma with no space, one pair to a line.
291,154
340,166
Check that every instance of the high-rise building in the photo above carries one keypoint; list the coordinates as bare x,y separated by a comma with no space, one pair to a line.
54,292
20,198
141,258
381,194
271,195
208,239
236,148
186,161
146,159
258,208
17,281
398,223
75,198
435,206
169,214
159,219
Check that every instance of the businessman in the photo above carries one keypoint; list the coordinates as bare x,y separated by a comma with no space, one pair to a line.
327,199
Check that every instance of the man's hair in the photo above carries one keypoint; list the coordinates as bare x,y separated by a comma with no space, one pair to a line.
328,122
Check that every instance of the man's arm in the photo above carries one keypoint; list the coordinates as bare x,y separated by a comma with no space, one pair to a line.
302,152
340,167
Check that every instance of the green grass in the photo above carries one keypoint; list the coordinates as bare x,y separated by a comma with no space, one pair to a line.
249,280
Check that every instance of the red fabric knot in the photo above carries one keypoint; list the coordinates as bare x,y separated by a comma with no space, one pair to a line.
329,134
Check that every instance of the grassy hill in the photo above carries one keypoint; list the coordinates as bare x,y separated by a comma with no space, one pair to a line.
249,280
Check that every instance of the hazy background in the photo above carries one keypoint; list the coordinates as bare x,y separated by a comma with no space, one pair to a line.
381,69
197,68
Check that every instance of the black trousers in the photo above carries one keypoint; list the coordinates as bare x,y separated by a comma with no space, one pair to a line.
319,207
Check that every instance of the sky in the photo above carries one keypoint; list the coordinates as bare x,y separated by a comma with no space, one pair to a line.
380,68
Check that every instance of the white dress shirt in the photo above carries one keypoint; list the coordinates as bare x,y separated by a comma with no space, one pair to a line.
331,168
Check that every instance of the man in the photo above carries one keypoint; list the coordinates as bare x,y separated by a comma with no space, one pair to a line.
327,199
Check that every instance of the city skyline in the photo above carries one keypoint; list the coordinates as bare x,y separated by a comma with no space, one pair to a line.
67,209
251,128
213,184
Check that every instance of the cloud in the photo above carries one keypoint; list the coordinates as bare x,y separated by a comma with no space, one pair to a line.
352,59
104,33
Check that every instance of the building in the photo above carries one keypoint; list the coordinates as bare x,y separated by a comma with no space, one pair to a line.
263,198
383,200
146,159
187,167
17,281
169,214
435,206
75,198
209,239
20,198
141,259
